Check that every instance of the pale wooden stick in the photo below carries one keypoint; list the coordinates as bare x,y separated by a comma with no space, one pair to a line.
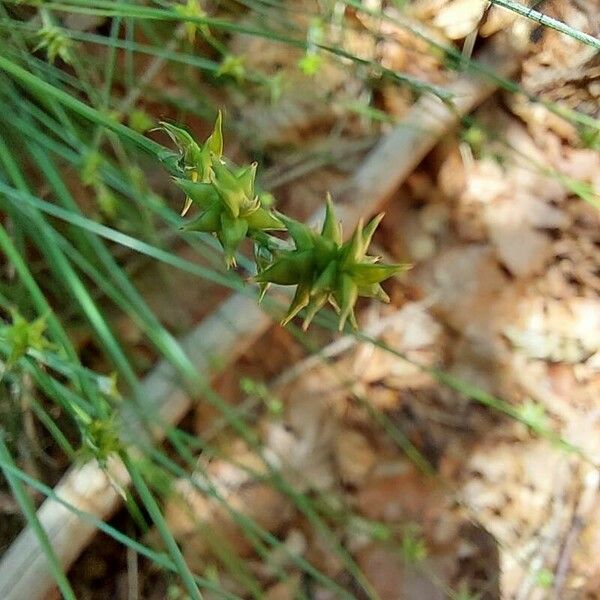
397,155
220,338
223,337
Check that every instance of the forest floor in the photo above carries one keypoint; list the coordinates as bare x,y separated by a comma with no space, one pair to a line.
433,494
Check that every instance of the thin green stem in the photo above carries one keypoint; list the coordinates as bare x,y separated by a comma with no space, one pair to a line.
163,528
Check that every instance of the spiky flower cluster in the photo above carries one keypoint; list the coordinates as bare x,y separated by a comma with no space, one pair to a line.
55,43
229,206
323,268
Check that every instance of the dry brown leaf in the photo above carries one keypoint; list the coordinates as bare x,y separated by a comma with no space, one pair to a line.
521,249
295,544
200,522
202,526
302,444
399,496
451,177
496,19
355,457
284,590
320,552
565,330
394,580
520,494
412,332
460,17
467,281
588,572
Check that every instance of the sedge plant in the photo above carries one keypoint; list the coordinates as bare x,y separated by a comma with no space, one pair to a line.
49,125
321,265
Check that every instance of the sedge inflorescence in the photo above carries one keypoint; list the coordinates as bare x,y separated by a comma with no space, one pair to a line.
323,267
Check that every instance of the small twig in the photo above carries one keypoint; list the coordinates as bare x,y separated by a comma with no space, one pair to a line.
587,501
565,556
151,72
547,21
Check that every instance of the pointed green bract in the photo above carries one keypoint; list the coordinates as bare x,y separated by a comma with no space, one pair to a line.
300,301
202,194
228,187
214,142
208,222
354,248
316,303
346,295
331,227
290,268
189,150
367,274
326,280
231,234
245,177
196,157
369,230
302,235
373,291
262,259
262,219
195,160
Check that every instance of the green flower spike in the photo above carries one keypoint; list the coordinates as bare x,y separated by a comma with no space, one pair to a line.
196,159
100,440
56,44
23,336
230,208
326,270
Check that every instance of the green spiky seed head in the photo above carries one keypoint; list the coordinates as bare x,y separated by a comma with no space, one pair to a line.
324,269
56,43
229,206
22,336
100,440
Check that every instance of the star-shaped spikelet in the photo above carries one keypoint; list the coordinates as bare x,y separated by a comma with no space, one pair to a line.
229,206
324,269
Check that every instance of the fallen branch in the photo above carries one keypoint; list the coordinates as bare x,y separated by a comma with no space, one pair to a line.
225,335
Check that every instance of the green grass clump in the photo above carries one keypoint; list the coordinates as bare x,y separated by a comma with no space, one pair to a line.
76,159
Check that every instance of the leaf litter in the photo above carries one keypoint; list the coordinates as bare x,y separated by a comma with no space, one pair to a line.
504,293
